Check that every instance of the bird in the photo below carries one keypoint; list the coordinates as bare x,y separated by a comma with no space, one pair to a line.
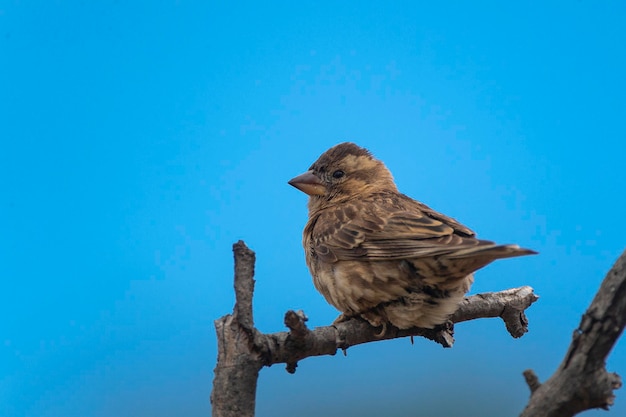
380,255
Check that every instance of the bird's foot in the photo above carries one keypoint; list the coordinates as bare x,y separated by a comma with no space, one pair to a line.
341,318
383,331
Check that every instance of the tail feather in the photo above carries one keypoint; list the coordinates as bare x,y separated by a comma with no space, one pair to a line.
492,252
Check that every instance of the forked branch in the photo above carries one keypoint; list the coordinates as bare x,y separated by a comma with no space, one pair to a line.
582,382
243,350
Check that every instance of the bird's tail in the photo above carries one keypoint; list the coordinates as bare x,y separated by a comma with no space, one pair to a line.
491,252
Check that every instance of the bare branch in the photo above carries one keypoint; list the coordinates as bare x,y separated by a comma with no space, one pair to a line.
243,350
531,379
237,369
244,284
296,322
508,305
581,382
290,347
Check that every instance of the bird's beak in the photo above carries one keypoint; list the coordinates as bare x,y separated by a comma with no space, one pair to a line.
308,183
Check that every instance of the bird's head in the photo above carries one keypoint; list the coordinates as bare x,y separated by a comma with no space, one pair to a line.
343,172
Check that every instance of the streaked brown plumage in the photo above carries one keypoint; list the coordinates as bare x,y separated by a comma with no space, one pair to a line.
376,253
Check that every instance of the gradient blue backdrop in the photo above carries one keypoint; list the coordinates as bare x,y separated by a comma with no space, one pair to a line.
139,141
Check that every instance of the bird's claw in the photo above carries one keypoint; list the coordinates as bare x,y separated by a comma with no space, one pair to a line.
340,319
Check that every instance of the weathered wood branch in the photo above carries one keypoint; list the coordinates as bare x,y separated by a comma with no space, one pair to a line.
237,370
300,342
582,382
243,350
244,284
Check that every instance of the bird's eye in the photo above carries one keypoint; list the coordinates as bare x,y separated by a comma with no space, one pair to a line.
338,174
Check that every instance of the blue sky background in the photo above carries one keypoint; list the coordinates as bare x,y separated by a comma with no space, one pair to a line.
141,140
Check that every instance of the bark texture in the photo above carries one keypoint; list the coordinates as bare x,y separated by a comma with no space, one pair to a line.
243,350
237,370
582,382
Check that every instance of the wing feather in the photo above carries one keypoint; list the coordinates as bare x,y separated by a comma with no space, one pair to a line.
387,227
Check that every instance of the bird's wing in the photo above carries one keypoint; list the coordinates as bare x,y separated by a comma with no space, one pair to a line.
387,228
458,227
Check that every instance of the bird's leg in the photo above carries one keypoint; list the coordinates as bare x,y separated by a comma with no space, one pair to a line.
344,317
383,330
